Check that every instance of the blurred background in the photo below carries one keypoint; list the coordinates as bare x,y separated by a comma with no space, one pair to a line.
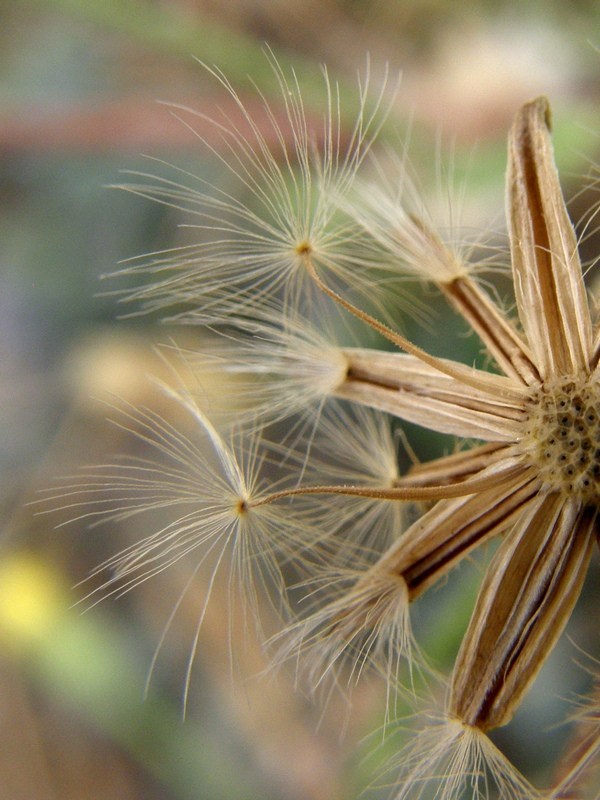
79,85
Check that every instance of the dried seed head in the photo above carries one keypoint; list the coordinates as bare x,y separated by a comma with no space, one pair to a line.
562,437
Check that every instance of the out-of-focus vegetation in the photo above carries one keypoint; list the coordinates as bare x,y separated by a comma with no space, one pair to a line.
78,90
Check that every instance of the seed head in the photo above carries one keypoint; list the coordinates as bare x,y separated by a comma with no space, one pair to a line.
526,471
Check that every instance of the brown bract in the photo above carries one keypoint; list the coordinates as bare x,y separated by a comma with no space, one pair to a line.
535,480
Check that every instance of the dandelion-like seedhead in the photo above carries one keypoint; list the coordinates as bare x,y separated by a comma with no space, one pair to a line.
214,489
326,496
292,174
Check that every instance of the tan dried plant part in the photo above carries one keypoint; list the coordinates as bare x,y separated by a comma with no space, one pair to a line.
536,478
532,480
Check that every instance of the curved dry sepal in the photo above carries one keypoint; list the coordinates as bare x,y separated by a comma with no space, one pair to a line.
405,386
503,341
454,527
366,621
461,465
527,596
450,760
397,221
549,287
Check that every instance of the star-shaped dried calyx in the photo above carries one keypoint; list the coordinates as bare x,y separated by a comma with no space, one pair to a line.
541,419
535,480
532,481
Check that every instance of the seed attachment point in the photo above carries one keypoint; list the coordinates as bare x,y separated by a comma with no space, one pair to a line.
304,248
